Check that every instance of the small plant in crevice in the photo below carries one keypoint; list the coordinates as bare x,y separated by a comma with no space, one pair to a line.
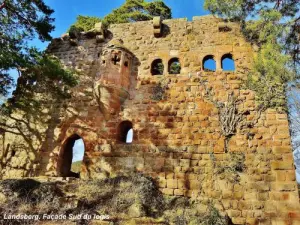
230,168
159,90
213,216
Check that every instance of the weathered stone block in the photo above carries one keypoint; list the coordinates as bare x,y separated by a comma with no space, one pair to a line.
172,183
278,165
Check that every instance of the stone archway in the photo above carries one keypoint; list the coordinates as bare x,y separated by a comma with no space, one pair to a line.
66,155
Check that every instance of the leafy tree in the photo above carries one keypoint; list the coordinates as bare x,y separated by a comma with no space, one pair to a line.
130,11
20,22
45,78
138,10
85,23
273,26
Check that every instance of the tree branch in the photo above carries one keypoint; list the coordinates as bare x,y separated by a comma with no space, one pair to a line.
2,6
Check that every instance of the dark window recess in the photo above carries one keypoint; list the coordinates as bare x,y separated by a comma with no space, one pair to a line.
174,66
126,64
157,67
115,59
123,132
224,29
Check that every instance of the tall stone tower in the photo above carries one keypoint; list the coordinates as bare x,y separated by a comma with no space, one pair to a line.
113,80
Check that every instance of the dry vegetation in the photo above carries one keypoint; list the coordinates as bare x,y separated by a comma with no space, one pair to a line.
133,200
76,166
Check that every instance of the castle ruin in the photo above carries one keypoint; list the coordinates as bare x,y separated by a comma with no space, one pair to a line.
197,131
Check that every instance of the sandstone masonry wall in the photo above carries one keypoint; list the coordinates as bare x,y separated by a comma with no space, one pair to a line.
178,140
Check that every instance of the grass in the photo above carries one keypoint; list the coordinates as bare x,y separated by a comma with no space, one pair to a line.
76,166
135,198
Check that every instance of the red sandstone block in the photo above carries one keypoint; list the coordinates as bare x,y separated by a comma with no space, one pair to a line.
271,117
280,222
263,196
296,222
172,183
251,221
284,186
275,143
162,183
281,136
167,191
169,175
179,192
257,177
279,196
279,165
182,184
259,186
280,175
234,213
191,176
281,149
288,157
268,123
281,116
202,149
196,156
179,175
269,178
191,193
227,194
194,184
216,194
193,118
238,195
290,175
239,220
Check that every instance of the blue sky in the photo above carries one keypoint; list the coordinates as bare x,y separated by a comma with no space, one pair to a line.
66,11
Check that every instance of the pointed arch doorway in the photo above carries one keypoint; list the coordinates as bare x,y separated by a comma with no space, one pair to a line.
71,157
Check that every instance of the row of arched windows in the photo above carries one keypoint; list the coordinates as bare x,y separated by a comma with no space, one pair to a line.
208,64
157,66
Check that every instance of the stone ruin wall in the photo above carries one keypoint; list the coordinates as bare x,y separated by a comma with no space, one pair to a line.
177,140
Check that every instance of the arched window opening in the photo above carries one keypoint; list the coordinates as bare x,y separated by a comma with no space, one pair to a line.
71,157
125,132
157,67
174,66
227,63
129,136
209,63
